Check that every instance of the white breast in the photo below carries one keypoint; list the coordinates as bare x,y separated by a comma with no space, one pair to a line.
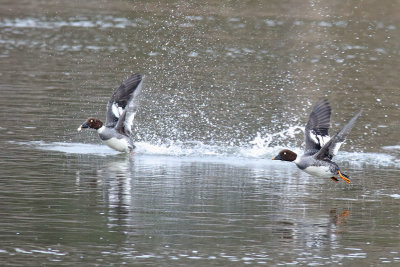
321,171
120,144
117,144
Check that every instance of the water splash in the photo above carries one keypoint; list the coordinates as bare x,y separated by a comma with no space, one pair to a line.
260,148
263,144
392,148
70,148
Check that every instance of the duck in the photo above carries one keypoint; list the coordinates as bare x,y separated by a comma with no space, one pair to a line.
319,147
120,114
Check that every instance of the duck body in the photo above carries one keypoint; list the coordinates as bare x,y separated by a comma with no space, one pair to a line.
320,148
321,168
115,140
121,110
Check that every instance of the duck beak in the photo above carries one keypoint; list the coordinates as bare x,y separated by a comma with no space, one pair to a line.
277,158
83,126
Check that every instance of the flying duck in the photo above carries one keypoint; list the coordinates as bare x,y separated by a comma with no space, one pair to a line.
320,148
121,110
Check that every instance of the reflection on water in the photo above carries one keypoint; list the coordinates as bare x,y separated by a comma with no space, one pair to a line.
155,206
228,85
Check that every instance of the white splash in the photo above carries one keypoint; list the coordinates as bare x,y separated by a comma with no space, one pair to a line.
70,148
257,150
394,148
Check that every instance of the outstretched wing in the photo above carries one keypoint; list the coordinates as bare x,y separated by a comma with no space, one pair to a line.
121,98
125,122
330,149
316,132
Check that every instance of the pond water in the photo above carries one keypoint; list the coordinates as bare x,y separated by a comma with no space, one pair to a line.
227,86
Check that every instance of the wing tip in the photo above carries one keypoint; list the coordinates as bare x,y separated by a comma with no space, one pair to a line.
134,78
322,103
355,117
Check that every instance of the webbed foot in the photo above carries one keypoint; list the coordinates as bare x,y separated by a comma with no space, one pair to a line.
344,177
334,179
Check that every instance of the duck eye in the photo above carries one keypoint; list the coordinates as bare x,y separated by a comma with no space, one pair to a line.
284,153
91,120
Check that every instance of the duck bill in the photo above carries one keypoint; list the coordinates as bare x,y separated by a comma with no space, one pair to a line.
83,126
277,158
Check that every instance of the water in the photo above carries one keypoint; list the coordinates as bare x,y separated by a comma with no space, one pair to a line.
227,86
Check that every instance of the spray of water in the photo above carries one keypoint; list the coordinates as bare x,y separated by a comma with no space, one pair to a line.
262,147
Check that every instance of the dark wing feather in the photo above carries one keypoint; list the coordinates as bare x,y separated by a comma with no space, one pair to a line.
125,122
330,149
316,131
120,99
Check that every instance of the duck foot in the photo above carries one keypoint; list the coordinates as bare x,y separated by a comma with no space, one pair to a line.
334,179
344,177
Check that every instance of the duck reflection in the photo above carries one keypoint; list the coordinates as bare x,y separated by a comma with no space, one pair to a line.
169,197
117,189
313,232
338,217
112,180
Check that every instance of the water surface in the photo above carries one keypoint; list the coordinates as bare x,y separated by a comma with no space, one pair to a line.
227,86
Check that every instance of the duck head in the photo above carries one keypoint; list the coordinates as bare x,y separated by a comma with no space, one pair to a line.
286,155
91,123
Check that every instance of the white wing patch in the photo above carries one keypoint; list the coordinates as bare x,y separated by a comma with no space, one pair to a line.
319,139
324,139
313,137
116,110
336,148
129,122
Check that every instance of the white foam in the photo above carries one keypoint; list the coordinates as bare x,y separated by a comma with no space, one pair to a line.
71,148
360,159
193,54
392,147
257,151
82,22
